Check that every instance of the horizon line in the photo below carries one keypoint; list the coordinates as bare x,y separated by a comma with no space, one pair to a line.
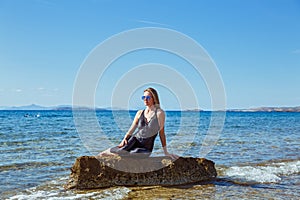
37,107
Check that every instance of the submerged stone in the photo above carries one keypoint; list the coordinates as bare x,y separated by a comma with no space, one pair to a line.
89,172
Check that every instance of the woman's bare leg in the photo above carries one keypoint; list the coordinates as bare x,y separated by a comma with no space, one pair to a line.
107,152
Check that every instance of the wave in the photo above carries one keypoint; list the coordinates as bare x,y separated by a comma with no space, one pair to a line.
261,173
54,195
52,191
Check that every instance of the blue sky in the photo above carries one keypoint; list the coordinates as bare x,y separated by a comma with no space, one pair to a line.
255,45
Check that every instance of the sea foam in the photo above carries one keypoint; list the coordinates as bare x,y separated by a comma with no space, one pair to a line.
54,193
269,173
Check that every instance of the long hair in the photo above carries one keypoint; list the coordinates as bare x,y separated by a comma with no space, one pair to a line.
154,93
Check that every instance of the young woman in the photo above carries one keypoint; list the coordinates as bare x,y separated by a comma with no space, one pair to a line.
149,123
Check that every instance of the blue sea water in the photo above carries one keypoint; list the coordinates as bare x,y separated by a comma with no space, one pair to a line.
257,154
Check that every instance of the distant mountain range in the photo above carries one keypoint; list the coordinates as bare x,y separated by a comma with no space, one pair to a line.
69,107
27,107
268,109
59,107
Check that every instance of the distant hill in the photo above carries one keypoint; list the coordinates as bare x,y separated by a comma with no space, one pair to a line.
38,107
27,107
269,109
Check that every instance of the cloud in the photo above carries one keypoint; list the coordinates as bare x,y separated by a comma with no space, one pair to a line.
297,51
152,23
46,3
40,88
18,90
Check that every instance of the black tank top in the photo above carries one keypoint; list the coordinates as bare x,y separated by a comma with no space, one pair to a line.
147,131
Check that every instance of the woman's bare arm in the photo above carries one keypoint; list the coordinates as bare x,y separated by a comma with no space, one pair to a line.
162,136
131,129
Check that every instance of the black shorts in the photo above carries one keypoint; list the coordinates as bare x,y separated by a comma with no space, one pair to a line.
133,148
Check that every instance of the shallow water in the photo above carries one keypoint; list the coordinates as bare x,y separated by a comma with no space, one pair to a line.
256,155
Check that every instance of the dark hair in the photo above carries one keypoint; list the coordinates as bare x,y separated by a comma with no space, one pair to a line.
154,94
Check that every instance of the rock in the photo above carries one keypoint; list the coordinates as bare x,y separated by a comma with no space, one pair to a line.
89,172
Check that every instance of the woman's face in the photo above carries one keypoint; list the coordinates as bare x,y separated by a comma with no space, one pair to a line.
148,101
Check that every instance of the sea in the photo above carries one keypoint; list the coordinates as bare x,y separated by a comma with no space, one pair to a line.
256,154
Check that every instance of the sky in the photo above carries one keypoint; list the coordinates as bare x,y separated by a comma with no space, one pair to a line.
255,46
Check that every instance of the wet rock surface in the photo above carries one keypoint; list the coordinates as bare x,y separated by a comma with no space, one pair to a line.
89,172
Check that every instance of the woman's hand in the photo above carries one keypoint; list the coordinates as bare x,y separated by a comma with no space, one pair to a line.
172,156
123,143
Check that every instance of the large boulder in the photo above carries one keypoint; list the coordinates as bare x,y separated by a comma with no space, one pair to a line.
89,172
